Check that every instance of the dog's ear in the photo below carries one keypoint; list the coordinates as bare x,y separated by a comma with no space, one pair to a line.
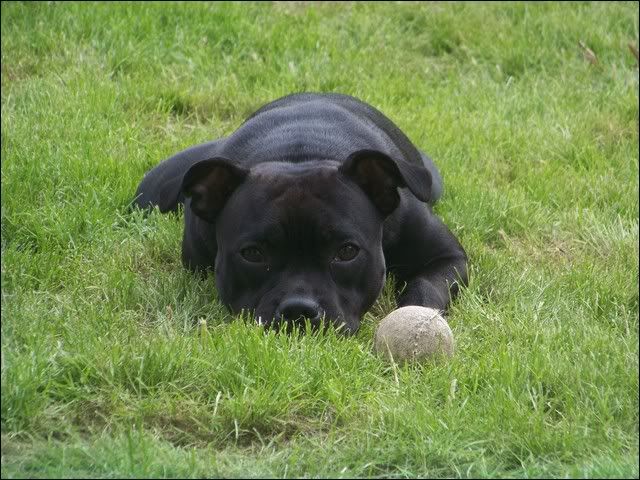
210,183
380,177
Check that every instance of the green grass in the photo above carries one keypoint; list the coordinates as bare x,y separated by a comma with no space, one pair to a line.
105,372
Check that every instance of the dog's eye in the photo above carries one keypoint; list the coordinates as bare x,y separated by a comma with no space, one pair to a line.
346,252
252,254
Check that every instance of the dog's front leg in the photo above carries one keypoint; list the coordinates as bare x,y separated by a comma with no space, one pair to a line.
435,285
426,259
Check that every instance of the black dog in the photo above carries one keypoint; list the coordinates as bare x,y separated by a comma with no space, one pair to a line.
302,210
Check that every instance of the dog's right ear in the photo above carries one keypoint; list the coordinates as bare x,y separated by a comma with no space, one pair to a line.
210,183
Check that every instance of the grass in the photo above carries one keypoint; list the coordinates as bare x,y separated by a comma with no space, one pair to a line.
105,372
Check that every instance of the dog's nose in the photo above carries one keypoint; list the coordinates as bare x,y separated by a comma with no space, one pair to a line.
297,309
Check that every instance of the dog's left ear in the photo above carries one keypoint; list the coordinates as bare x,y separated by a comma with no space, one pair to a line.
380,176
210,183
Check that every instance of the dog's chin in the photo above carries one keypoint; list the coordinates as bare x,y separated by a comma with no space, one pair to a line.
340,326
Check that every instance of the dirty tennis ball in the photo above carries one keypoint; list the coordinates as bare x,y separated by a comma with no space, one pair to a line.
414,334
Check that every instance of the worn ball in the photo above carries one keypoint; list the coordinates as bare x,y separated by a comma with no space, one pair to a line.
414,334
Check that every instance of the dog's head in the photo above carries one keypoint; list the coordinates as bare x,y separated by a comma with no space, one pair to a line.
302,240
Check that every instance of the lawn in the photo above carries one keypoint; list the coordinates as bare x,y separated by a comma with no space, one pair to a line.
529,109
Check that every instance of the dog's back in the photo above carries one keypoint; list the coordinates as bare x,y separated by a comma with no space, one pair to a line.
296,128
